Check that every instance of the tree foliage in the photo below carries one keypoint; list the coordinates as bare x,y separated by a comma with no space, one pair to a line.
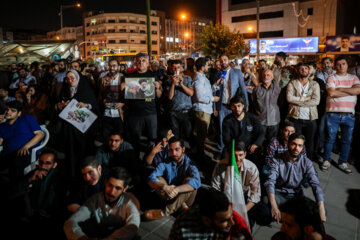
218,39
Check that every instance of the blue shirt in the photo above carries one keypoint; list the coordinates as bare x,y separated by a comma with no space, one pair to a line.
176,174
203,94
181,101
286,176
17,135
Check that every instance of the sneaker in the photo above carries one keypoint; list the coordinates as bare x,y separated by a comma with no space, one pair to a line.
325,166
344,167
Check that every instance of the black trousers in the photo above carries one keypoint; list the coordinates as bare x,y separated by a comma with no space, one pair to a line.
110,124
308,129
136,125
180,123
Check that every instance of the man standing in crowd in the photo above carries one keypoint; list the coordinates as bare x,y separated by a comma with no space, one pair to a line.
112,214
342,89
203,100
303,96
229,84
326,70
142,113
282,76
59,79
179,91
110,91
287,172
265,97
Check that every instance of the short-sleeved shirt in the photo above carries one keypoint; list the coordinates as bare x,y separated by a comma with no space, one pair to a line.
17,135
341,104
181,101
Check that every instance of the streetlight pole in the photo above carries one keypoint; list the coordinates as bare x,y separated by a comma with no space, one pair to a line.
61,16
257,30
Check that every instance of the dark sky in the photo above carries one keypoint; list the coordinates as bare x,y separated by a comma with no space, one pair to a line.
43,15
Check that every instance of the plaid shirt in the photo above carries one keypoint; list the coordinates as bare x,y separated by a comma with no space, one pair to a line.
275,148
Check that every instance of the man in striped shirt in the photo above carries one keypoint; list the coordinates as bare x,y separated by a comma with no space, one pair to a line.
342,89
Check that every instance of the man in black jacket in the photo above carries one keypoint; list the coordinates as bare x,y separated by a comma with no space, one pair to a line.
242,125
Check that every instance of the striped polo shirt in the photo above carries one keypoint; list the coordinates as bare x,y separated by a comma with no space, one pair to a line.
341,104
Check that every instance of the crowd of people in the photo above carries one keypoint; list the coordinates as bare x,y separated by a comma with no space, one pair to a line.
151,154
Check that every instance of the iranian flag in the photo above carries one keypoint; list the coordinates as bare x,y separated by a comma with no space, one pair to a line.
233,187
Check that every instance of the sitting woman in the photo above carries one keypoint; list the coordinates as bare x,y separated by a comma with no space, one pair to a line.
76,143
36,103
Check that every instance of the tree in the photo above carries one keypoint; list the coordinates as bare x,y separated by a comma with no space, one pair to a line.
218,39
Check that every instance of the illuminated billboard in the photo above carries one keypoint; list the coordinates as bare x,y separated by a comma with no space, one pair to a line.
287,45
346,43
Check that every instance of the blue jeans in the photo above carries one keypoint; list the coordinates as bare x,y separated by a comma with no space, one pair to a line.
223,112
346,123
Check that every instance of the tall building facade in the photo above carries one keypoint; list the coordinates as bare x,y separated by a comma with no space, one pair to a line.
119,33
183,35
281,18
67,33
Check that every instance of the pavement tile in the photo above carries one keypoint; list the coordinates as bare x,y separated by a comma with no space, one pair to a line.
340,218
340,233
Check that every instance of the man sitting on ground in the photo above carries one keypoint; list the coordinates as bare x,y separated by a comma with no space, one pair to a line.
214,219
176,181
93,175
112,214
301,220
19,134
286,176
249,177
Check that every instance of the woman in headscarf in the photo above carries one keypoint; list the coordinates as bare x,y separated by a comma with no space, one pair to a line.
76,142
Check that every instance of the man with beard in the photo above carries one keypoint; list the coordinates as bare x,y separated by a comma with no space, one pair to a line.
326,70
175,181
142,113
303,95
213,219
287,172
301,220
229,84
279,145
93,182
59,79
118,153
112,214
243,126
111,87
42,199
264,98
4,98
143,86
24,79
179,92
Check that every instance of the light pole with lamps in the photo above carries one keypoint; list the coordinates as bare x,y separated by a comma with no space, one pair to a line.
62,7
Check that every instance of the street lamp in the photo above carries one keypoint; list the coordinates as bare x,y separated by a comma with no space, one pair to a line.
183,16
62,7
186,35
250,29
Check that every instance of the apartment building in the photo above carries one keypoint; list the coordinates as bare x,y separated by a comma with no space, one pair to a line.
119,33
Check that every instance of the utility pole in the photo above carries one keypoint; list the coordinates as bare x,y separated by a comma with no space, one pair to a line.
257,30
148,28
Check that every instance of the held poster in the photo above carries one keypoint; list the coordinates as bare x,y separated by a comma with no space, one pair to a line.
81,118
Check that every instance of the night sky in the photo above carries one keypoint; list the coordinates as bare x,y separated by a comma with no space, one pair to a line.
43,15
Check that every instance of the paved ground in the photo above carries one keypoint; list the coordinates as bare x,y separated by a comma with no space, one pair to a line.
342,203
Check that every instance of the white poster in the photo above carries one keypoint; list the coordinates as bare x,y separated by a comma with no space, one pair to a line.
81,118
